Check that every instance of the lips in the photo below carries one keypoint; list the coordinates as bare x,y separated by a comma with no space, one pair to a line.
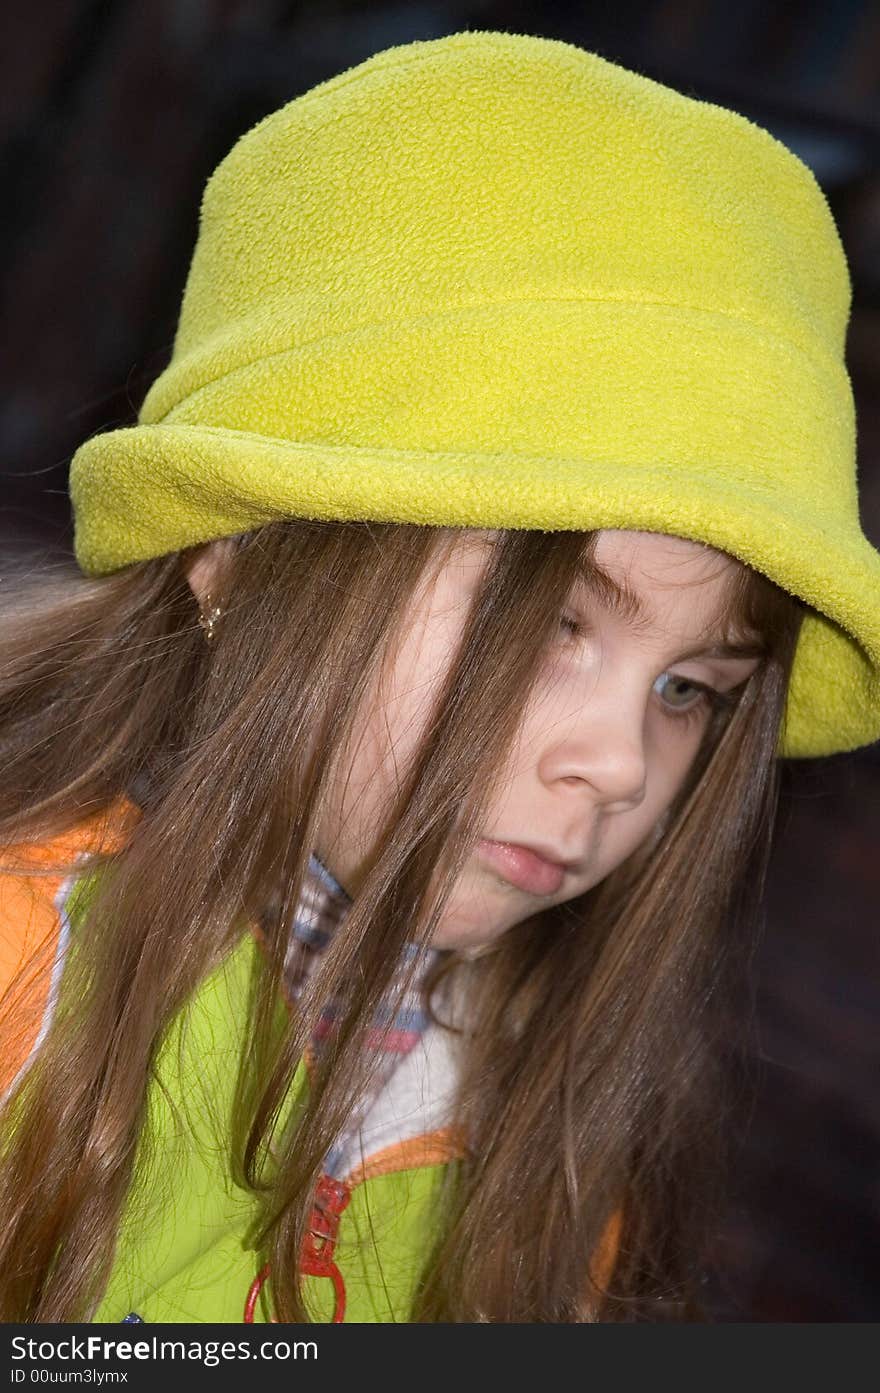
522,867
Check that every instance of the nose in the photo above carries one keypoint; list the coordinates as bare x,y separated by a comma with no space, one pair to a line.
603,751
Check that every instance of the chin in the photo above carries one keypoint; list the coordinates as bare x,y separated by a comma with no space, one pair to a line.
465,936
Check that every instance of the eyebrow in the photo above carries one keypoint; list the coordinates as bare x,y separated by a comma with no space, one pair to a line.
726,650
618,599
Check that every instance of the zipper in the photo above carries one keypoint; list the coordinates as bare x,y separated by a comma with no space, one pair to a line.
316,1256
332,1198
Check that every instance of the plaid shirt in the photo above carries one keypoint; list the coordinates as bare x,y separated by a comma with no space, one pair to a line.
396,1028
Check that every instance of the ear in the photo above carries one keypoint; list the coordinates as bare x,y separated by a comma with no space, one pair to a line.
204,566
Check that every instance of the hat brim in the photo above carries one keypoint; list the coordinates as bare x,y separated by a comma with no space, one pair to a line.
148,490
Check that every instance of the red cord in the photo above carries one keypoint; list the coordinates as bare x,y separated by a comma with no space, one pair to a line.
253,1292
316,1257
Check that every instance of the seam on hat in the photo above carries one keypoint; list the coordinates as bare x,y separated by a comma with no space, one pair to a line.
449,313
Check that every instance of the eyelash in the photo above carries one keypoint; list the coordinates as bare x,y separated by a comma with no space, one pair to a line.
708,696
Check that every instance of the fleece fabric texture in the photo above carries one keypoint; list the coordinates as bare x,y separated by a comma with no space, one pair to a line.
495,280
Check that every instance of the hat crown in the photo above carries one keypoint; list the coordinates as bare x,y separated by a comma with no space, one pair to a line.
370,198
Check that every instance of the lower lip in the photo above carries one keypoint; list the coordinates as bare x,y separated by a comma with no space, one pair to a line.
522,868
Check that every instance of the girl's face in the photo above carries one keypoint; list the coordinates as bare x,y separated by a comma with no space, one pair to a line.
605,743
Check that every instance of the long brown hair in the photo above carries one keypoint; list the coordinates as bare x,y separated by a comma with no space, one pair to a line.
587,1084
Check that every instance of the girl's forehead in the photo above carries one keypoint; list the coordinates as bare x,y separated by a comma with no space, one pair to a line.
652,585
654,555
652,578
660,552
653,582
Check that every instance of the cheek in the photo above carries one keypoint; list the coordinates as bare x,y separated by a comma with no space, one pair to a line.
668,771
392,723
672,749
362,790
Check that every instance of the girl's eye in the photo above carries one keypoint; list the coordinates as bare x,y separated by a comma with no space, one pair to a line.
683,700
680,695
698,698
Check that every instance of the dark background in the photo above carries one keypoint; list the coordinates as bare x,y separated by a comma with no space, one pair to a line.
114,115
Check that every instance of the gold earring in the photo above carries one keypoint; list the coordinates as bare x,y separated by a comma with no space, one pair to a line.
209,613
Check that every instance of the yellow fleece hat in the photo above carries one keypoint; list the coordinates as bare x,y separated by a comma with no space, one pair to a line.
493,280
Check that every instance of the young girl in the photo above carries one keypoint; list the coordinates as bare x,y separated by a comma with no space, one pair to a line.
362,942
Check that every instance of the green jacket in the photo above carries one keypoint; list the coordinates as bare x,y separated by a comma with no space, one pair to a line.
183,1251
